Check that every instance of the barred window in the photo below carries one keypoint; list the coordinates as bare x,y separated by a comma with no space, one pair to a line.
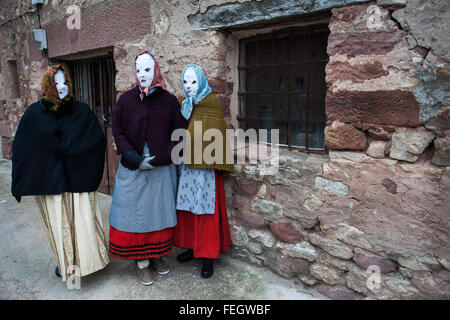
282,84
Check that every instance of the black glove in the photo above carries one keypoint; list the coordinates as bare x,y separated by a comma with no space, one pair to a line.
131,156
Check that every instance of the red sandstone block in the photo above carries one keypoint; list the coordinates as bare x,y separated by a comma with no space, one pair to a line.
286,231
394,107
364,261
250,219
245,187
239,202
343,136
347,13
364,43
341,71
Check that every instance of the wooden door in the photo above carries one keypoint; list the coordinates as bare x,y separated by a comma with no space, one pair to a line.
94,83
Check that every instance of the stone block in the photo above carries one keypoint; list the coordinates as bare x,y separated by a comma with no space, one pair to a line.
364,261
395,107
269,209
263,236
342,136
441,155
334,247
326,274
286,231
408,144
250,219
376,149
338,292
299,250
284,265
329,185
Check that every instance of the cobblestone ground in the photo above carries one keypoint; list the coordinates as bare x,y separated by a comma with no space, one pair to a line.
27,267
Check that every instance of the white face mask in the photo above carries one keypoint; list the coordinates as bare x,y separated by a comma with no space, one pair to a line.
61,85
145,70
190,82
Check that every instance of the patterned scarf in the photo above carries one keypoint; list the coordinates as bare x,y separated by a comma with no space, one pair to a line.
158,80
49,90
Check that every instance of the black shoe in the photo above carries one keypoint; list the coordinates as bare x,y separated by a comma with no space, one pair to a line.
186,256
208,268
57,272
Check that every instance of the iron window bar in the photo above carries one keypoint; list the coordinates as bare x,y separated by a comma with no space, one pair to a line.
244,67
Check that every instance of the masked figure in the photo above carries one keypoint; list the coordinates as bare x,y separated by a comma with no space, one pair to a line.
202,216
58,156
143,210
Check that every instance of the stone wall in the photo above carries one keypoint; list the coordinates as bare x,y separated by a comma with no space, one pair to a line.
377,201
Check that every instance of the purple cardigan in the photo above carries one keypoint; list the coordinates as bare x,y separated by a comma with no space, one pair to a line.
152,120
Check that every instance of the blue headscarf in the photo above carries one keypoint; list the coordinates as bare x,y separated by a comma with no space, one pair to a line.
203,90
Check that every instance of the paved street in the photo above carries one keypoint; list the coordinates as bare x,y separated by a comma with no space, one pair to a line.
27,267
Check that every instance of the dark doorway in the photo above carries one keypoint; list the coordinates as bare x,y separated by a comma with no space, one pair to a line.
94,83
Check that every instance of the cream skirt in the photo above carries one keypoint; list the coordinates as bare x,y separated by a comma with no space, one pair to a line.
73,224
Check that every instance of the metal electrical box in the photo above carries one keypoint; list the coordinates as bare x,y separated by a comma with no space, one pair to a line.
39,35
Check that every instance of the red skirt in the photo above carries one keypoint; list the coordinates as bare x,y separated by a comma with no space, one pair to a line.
207,234
137,246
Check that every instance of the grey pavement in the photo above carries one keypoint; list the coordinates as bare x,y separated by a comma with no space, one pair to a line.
27,267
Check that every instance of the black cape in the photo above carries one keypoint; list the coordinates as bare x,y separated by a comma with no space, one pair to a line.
56,152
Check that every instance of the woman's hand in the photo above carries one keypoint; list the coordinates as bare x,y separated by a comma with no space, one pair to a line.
145,164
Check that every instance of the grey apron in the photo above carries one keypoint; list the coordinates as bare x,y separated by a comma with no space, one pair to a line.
144,200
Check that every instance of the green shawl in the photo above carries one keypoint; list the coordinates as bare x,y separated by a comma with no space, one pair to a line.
209,113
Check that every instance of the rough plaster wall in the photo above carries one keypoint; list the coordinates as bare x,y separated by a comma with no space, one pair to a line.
175,45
